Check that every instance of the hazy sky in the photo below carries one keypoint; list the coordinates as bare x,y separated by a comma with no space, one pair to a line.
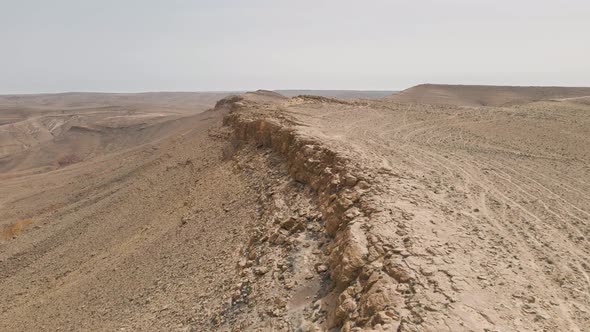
148,45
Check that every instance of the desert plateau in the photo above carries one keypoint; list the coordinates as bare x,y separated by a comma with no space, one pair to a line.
436,208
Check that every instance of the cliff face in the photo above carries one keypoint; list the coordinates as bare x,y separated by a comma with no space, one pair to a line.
365,275
426,217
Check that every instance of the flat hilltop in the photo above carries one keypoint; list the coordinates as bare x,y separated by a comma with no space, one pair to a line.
483,95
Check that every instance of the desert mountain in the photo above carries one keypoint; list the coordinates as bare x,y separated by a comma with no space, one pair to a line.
483,95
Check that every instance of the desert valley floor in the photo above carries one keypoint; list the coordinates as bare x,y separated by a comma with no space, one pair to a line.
438,208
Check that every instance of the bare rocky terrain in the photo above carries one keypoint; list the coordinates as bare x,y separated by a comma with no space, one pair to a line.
441,208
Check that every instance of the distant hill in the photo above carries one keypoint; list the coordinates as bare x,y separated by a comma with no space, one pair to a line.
483,95
578,100
68,100
342,94
50,130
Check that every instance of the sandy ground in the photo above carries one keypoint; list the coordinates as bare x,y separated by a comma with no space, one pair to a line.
343,215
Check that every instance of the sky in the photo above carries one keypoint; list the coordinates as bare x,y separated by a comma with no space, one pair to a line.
181,45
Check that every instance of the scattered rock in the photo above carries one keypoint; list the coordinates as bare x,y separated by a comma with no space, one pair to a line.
261,270
350,180
321,268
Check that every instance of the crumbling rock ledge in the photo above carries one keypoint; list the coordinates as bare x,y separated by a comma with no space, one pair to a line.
371,283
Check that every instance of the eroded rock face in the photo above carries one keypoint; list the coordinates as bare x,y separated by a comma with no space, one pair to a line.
432,225
348,255
366,291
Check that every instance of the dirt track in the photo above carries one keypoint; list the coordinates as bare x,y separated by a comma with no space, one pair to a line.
343,215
